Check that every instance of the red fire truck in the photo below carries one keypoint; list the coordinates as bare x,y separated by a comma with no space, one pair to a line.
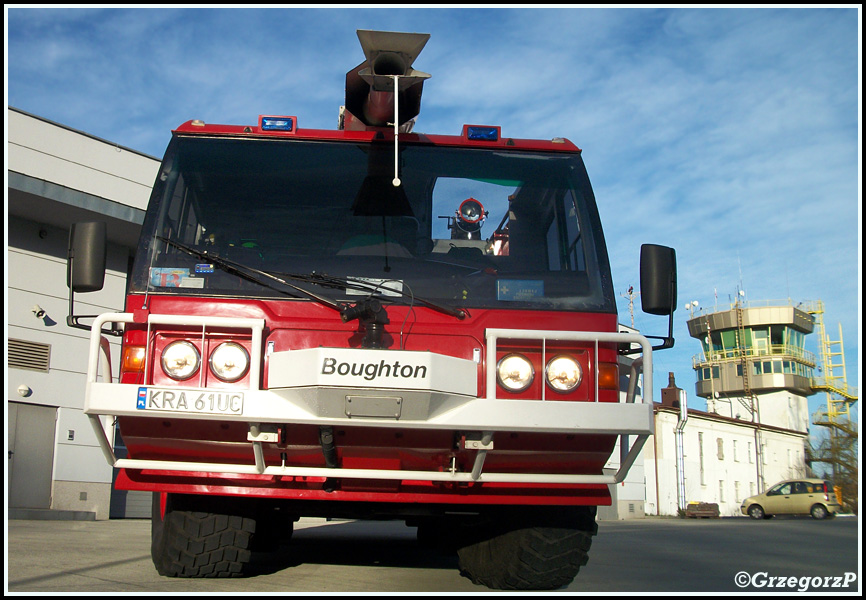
371,323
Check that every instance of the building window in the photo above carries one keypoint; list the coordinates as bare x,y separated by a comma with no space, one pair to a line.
721,490
777,338
730,339
716,339
759,340
737,491
736,458
720,451
707,373
749,451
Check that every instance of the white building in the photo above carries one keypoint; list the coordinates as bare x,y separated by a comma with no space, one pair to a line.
723,461
627,497
755,375
55,177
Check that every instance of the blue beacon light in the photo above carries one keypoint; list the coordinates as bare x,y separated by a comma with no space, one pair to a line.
269,123
482,133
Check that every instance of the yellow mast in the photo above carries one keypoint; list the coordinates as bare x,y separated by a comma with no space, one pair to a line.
839,450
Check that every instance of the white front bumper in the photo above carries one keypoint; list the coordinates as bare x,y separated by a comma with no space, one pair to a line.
440,403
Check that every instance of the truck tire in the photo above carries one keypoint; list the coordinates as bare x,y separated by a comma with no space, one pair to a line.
199,543
529,556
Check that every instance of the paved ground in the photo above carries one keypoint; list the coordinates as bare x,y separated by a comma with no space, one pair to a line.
643,556
335,556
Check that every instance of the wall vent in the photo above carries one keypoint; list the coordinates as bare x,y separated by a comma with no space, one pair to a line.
28,355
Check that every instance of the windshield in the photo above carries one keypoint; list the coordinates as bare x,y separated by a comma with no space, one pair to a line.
467,227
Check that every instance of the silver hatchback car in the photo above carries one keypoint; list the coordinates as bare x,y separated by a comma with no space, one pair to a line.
793,497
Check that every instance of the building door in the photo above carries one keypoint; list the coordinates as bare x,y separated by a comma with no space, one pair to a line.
31,454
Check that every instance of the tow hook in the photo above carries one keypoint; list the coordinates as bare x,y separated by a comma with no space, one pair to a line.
329,450
373,317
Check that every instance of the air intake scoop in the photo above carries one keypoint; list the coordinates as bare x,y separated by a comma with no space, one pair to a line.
370,85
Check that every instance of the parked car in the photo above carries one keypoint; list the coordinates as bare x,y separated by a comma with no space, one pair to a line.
793,497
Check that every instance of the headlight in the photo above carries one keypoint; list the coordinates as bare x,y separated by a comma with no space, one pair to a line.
229,362
563,374
514,372
180,360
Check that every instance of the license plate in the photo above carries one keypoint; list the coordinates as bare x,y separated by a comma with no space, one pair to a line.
190,401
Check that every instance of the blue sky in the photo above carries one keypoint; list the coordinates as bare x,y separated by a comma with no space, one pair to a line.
732,135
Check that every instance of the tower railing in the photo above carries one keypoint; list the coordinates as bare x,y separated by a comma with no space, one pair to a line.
774,350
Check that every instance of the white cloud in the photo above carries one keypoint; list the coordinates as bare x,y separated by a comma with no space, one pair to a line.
731,134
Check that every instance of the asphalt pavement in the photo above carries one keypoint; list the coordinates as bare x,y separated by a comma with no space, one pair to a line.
651,555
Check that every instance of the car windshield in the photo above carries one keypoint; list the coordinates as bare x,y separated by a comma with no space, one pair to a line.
466,227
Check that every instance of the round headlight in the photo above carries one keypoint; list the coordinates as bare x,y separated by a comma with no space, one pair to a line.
180,360
230,361
563,374
514,372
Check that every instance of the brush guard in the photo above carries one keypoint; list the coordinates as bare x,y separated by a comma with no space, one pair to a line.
477,418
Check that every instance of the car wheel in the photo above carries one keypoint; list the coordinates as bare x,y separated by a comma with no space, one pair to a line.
819,512
756,512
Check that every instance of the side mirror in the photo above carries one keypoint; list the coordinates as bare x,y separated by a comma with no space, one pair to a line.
85,264
658,286
658,279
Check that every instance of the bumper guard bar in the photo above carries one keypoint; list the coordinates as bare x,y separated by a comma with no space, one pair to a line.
479,417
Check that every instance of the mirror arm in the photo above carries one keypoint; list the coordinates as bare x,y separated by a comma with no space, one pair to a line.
72,320
667,342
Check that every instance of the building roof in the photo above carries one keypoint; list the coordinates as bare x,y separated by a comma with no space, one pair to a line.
658,408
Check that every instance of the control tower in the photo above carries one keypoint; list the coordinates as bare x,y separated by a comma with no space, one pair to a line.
754,364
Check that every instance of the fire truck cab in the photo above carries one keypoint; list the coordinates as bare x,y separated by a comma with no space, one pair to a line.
371,323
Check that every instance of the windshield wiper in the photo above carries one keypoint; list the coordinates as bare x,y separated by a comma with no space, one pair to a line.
251,273
374,289
246,272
